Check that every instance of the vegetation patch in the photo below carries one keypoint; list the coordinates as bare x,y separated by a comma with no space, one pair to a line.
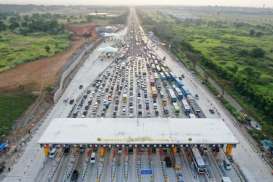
12,105
17,49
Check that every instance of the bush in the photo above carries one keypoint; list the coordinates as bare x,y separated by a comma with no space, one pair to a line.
257,52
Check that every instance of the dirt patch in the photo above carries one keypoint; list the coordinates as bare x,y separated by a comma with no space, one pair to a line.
38,74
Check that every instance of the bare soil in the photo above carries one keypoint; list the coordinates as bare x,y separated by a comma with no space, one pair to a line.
38,74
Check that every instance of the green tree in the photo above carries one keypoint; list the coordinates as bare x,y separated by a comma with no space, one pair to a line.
252,32
47,48
257,52
2,26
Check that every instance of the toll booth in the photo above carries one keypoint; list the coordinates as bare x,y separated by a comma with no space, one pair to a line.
169,133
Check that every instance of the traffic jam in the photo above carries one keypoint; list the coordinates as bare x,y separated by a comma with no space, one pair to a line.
137,84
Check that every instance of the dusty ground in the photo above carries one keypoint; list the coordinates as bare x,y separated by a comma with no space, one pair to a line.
37,74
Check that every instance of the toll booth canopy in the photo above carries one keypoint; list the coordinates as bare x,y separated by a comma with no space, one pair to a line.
137,131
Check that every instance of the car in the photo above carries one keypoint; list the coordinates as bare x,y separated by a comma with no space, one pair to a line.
84,113
82,149
168,161
156,112
229,157
71,101
211,111
166,111
147,106
226,164
114,114
131,109
93,158
2,166
116,108
52,153
123,111
75,175
180,177
66,149
148,114
226,179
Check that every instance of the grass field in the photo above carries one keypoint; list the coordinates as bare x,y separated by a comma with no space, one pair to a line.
12,106
224,47
17,49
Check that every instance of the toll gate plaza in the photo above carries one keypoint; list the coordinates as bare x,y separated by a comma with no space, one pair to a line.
137,132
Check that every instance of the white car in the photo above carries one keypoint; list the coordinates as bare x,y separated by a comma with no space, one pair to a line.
52,153
93,158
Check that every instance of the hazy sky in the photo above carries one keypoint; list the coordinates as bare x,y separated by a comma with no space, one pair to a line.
252,3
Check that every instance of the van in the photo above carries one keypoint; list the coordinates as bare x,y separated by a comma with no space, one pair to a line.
226,164
52,153
93,158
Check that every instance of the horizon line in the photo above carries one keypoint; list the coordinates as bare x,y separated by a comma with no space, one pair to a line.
225,6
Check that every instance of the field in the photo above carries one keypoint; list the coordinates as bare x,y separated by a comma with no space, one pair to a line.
235,50
17,49
12,106
229,48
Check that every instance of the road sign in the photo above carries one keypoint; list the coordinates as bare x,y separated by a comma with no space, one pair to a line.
146,172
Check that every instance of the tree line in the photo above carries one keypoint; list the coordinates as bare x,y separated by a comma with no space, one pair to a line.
26,24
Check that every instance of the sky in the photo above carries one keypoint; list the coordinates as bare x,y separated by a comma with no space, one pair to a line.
248,3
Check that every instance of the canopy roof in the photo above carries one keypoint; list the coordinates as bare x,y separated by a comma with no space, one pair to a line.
137,131
108,49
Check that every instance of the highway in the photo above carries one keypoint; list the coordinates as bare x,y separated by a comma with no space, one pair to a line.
131,83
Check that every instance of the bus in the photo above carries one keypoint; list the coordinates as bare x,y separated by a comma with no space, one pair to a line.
178,83
178,92
198,161
186,106
154,92
172,95
173,76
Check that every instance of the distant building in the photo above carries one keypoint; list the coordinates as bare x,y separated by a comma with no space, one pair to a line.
106,29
